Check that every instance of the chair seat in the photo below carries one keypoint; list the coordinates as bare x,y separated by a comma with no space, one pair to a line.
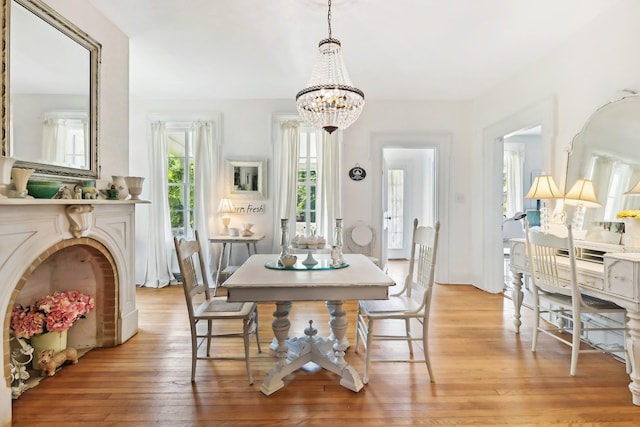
590,302
219,308
401,305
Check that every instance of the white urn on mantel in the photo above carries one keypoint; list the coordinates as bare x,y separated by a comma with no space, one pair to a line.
6,164
20,177
134,185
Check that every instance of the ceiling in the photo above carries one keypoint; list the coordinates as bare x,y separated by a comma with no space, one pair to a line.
400,49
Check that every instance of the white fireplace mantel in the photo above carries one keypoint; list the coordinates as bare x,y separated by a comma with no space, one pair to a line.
30,227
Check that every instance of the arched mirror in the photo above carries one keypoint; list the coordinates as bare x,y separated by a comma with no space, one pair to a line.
50,92
606,151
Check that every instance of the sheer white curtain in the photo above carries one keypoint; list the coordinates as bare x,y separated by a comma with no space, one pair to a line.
287,151
513,166
329,194
53,140
204,184
160,239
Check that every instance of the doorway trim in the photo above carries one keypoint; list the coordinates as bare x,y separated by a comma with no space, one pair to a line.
542,113
441,143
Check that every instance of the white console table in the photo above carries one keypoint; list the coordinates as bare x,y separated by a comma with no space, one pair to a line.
605,271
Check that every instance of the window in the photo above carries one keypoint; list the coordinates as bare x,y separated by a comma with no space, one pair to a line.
395,208
180,180
307,182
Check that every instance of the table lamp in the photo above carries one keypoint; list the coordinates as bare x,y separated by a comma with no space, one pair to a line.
582,195
544,188
635,191
225,208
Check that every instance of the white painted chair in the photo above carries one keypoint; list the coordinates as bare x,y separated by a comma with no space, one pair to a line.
559,296
202,307
411,303
360,239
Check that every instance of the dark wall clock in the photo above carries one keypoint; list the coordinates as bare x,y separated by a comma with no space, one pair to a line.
357,173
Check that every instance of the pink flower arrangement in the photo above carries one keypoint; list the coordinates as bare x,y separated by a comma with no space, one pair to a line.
55,312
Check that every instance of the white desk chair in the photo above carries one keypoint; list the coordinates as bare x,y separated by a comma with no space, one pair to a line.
562,294
412,302
203,307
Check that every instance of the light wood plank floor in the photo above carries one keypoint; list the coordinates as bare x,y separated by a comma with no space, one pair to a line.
485,375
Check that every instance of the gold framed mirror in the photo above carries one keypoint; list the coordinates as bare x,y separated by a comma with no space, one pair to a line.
50,91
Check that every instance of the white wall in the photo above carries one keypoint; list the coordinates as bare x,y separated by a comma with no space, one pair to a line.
246,132
581,75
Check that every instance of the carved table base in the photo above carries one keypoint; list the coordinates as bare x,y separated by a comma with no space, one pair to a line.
327,352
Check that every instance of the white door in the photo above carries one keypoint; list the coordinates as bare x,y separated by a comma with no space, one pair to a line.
409,192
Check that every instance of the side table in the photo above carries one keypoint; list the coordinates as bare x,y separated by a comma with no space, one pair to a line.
223,262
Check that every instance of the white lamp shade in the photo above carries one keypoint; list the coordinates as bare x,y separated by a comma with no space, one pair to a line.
544,187
226,206
635,191
583,194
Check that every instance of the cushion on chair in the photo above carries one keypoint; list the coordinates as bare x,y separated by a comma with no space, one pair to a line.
393,304
220,307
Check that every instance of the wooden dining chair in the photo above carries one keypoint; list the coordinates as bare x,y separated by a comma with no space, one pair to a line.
203,307
411,303
557,296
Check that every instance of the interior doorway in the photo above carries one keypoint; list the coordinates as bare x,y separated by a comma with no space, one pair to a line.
409,187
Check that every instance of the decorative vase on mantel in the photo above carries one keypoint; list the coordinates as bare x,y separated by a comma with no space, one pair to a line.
57,341
631,238
6,164
20,177
121,186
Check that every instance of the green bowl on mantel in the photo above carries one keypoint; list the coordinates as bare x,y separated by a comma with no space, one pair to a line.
41,189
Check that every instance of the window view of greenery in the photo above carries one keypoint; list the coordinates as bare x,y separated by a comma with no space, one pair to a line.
180,181
307,180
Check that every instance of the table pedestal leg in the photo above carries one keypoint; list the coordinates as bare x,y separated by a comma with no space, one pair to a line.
283,307
517,296
293,353
633,353
331,309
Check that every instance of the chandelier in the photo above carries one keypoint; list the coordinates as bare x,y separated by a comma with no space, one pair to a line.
330,101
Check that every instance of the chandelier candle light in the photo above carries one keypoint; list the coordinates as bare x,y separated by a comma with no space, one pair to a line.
544,188
330,101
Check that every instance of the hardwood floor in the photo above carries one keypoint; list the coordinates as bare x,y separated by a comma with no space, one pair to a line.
485,375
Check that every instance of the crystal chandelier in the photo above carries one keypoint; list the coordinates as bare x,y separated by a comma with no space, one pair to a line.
330,101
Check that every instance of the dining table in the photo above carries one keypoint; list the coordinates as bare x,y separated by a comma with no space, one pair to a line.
262,278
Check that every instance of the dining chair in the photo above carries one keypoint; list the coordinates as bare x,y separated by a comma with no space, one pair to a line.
360,239
411,303
557,296
205,308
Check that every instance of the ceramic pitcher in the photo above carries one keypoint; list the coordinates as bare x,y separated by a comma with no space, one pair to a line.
121,186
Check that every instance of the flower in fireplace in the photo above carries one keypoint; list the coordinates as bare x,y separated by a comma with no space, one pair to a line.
55,312
629,213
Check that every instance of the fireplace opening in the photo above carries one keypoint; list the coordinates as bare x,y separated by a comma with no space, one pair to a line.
81,264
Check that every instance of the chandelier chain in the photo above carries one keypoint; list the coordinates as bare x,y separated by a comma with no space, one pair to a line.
329,18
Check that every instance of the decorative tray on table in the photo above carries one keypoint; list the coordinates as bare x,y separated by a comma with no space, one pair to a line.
323,264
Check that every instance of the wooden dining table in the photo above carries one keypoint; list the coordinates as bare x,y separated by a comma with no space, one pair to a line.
262,279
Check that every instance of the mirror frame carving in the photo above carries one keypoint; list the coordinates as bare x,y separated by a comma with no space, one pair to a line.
53,18
231,192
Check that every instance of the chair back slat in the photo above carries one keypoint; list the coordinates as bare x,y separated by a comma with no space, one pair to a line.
188,254
422,263
548,253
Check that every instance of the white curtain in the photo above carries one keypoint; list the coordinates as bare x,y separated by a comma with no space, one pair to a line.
329,193
160,239
53,140
513,166
286,175
204,185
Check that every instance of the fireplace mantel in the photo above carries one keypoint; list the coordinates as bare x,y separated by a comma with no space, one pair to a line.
32,229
